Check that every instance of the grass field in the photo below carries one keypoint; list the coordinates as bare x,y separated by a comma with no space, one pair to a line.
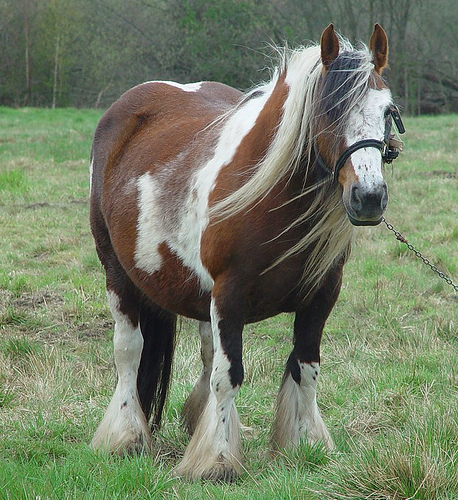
388,389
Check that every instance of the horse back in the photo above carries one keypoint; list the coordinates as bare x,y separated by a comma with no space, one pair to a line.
156,108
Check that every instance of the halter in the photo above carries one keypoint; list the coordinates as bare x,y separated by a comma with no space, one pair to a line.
389,147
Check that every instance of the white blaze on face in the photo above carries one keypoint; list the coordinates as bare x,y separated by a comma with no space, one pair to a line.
368,122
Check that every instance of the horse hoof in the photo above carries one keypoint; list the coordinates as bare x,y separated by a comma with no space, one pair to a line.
220,470
136,447
221,473
122,445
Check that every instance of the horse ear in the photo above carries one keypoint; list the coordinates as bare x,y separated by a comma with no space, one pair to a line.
378,45
329,46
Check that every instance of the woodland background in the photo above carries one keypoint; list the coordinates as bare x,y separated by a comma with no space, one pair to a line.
85,53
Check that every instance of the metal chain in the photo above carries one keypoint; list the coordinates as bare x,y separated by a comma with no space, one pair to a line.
426,261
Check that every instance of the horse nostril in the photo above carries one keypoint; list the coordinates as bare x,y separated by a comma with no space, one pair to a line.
355,199
384,201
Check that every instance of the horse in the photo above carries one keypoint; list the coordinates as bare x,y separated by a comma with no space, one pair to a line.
229,208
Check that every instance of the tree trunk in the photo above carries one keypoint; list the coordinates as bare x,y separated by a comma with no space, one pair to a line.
28,89
56,73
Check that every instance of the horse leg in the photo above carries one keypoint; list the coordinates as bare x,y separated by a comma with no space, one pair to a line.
124,428
297,414
214,451
197,400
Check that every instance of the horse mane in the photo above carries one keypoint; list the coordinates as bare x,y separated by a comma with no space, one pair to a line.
342,88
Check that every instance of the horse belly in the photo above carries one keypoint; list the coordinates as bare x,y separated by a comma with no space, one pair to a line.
174,287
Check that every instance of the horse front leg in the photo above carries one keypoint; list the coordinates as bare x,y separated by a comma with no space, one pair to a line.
297,415
214,451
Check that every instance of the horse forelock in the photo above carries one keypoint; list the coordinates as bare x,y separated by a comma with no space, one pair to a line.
344,87
324,98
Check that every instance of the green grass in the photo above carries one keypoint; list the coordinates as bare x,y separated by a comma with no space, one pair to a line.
388,386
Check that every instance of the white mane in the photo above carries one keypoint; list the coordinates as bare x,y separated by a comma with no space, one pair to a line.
330,237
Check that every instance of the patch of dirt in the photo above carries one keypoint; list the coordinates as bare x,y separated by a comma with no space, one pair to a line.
443,173
5,299
63,206
29,300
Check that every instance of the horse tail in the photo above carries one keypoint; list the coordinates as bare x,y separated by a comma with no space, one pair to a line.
158,328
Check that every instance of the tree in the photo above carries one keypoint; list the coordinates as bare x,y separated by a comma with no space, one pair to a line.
87,52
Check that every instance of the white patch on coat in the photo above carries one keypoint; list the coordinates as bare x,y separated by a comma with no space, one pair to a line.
185,87
297,415
368,122
195,216
150,230
124,426
183,238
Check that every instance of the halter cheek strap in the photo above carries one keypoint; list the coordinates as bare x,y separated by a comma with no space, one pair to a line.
366,143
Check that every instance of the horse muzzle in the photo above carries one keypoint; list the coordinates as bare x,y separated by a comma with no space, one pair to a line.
365,206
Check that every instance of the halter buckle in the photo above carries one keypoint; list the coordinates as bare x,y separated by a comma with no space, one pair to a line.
392,147
389,154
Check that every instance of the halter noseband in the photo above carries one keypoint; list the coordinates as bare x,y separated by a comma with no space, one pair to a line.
389,147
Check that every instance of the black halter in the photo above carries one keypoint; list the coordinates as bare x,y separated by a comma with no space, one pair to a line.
389,147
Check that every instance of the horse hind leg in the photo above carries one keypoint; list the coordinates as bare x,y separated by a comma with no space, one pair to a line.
198,398
124,427
143,349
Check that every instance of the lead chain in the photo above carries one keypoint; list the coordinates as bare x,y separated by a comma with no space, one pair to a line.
418,254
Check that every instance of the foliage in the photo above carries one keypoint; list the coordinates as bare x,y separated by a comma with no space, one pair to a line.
85,53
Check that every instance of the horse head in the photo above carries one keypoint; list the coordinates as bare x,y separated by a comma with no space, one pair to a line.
356,125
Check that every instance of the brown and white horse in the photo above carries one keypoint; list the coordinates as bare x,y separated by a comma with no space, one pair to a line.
230,208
